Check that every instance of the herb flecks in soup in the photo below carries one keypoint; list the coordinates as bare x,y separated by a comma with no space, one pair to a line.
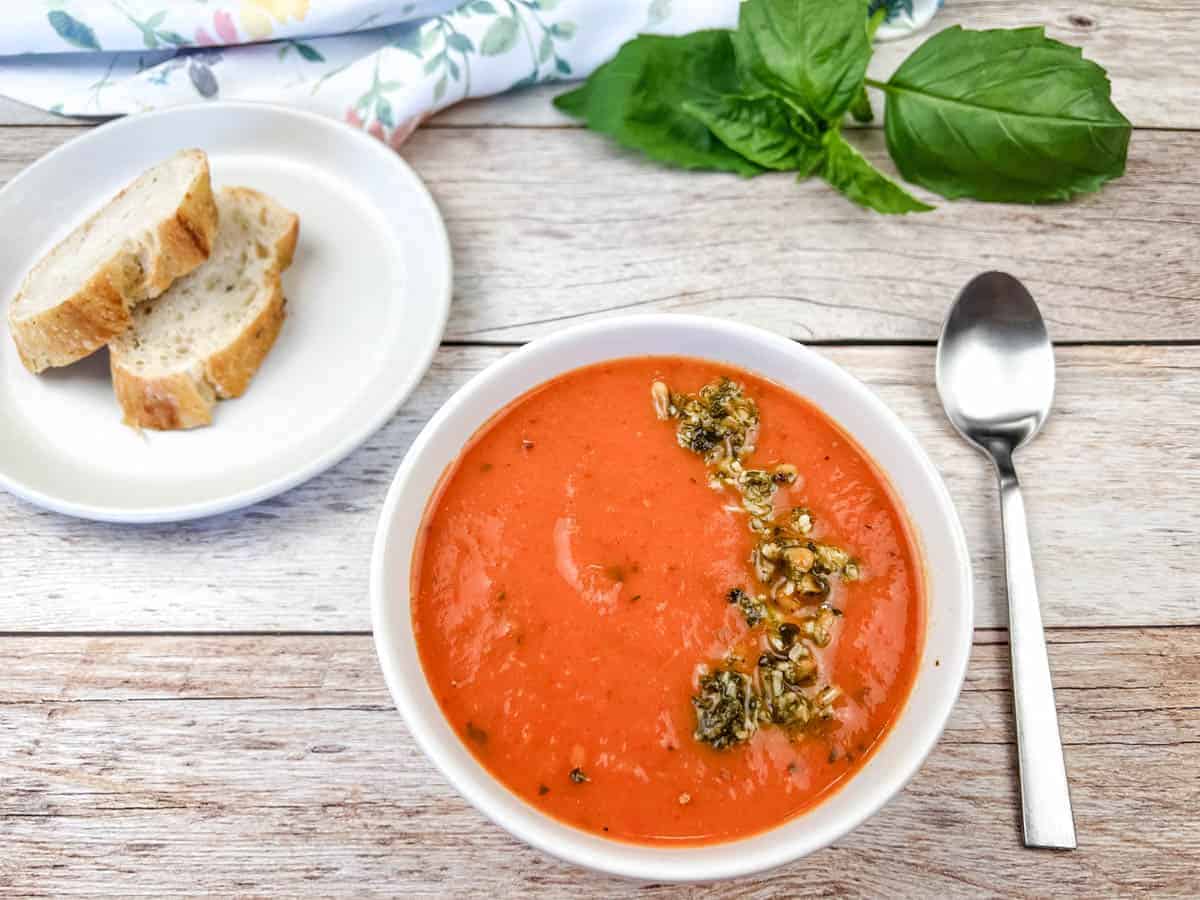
781,683
585,603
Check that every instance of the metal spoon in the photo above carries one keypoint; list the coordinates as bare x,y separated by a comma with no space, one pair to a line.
995,375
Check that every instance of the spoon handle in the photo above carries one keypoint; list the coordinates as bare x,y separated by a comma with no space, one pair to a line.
1045,798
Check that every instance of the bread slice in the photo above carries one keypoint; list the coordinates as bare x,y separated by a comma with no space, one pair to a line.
204,339
78,296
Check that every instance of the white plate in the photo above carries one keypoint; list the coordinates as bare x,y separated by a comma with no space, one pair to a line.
368,296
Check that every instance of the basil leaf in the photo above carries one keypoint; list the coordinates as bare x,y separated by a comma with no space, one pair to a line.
877,15
763,129
1007,115
861,109
813,50
638,99
849,171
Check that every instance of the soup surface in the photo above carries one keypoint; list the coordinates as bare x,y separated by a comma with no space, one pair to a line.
571,591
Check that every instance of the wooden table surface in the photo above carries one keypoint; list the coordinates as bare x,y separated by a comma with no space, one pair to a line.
197,707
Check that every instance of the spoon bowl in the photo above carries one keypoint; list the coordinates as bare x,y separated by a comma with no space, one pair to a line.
995,363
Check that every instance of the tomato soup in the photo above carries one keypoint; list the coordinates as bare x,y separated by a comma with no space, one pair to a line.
573,596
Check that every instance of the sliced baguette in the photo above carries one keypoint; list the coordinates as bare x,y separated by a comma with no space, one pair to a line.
78,296
204,339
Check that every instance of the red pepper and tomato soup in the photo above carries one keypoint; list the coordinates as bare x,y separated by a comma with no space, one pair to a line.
667,601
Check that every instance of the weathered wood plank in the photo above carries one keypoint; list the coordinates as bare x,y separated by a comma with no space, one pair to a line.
1113,478
590,230
552,227
1146,48
14,113
276,766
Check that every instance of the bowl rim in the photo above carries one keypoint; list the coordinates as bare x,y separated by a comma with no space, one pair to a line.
629,860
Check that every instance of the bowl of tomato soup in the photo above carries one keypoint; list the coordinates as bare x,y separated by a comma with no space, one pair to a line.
671,597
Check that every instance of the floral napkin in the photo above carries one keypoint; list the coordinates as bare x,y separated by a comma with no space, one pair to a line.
381,65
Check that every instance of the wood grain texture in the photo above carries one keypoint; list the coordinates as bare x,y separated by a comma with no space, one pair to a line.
277,766
13,112
1146,48
1113,478
591,231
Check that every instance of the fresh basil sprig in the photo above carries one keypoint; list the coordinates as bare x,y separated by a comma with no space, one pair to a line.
1003,115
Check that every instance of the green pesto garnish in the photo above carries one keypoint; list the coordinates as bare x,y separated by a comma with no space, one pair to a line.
718,423
727,708
786,673
789,613
753,608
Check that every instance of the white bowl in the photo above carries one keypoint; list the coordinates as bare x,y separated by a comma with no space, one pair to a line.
847,401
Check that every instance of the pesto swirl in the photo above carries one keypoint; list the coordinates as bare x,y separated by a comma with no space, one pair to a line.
789,609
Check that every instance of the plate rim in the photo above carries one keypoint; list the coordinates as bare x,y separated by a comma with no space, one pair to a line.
338,449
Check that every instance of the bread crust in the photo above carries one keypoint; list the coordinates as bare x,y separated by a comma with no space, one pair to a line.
100,310
185,399
230,369
173,402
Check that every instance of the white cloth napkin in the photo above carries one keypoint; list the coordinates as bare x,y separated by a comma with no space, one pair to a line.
381,65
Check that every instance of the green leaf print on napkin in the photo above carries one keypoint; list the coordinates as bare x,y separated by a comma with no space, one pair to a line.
500,37
72,30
